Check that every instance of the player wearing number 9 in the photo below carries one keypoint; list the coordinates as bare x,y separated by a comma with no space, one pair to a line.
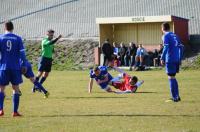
12,50
171,57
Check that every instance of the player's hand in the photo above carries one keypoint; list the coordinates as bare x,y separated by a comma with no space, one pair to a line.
23,69
162,62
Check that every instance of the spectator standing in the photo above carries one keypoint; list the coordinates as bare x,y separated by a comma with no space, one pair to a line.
122,53
107,51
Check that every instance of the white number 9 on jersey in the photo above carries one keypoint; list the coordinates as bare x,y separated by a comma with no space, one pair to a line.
9,45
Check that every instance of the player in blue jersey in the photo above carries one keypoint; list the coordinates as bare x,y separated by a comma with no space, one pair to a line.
171,58
12,50
30,75
102,77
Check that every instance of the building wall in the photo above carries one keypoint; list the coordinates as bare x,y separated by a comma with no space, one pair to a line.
181,29
77,19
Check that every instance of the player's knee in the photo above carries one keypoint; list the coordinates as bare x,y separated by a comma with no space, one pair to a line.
46,74
32,79
15,89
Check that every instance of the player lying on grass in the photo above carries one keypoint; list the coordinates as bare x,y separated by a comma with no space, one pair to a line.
28,73
128,84
102,77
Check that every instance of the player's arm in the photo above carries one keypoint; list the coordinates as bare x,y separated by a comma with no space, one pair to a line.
46,42
22,56
55,40
90,85
165,49
139,83
181,49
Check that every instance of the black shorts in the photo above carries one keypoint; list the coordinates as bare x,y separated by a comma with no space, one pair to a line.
45,64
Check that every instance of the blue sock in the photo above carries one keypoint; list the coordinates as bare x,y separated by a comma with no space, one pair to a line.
42,80
37,78
171,84
39,86
176,89
2,96
15,102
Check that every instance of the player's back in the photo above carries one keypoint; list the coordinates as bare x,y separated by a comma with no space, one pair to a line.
10,46
173,42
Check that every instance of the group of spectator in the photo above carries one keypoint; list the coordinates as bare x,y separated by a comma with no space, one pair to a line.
131,55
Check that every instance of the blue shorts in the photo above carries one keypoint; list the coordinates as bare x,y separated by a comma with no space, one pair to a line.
45,64
13,76
172,68
29,73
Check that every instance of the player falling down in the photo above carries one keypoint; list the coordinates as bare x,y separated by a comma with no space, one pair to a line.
128,84
28,73
104,79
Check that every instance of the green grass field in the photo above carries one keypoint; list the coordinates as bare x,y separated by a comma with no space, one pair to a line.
71,109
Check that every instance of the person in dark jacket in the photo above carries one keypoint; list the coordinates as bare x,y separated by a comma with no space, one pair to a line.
107,50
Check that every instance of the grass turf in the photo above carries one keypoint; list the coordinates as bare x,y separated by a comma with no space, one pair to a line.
70,108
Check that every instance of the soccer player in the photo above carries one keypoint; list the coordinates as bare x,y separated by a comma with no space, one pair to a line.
12,50
46,59
128,85
102,77
30,75
171,57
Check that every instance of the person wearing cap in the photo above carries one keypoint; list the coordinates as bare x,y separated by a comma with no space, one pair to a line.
45,63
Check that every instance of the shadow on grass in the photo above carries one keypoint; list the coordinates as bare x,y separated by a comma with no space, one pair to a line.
118,115
93,97
146,92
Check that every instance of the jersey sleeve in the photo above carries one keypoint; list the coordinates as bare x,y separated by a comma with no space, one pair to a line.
91,74
21,45
166,46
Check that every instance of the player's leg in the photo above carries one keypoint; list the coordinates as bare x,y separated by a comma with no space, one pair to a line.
171,70
4,80
16,100
2,96
39,86
16,79
44,77
39,74
47,70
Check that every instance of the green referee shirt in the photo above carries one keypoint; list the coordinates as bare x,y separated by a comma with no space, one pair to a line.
47,48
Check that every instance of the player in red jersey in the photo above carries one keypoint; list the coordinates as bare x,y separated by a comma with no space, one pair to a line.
129,84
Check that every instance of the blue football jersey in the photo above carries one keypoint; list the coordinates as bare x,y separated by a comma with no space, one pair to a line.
103,76
172,51
10,47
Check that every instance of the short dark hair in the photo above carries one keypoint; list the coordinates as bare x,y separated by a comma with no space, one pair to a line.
9,25
134,78
96,68
166,26
50,31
